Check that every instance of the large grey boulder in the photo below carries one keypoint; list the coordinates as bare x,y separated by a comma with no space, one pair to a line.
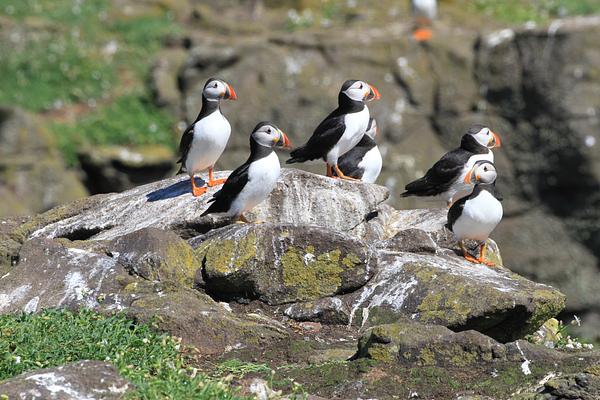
299,198
282,263
88,380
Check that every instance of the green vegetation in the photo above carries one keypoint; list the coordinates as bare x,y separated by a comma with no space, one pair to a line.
519,11
239,368
151,360
129,120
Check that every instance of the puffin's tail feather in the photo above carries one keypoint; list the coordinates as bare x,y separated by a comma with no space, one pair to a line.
420,187
406,194
298,156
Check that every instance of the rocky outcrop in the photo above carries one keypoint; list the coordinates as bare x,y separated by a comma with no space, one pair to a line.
33,177
80,380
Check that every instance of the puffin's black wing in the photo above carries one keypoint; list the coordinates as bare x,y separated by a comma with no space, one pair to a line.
185,145
221,201
327,134
456,210
348,162
439,177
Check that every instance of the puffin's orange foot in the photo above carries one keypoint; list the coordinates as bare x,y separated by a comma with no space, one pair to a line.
422,34
472,259
198,191
486,262
216,182
341,175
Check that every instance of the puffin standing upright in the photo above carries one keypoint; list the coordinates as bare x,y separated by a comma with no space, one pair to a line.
446,179
364,161
205,139
251,182
475,216
341,130
424,12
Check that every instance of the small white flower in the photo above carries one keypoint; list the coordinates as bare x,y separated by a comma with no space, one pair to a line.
145,340
17,360
576,321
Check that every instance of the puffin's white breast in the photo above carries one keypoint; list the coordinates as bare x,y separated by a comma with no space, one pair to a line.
262,178
371,165
211,135
479,217
355,127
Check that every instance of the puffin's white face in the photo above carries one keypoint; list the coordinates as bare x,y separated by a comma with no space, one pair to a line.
487,138
482,172
269,135
361,91
372,129
216,89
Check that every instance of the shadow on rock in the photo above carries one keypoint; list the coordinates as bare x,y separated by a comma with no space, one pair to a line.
175,190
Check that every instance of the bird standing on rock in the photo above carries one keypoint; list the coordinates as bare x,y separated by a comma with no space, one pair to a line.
251,182
424,12
475,216
446,179
205,139
341,130
364,161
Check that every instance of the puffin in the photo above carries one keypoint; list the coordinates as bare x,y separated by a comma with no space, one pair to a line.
205,139
446,178
251,182
364,161
424,12
475,216
341,130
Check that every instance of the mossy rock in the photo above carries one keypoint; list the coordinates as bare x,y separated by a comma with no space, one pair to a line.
282,263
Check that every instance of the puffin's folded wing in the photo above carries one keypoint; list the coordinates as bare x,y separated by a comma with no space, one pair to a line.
327,134
455,211
186,143
221,201
438,178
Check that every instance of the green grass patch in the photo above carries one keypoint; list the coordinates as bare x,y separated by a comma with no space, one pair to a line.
239,368
151,360
65,51
129,120
519,11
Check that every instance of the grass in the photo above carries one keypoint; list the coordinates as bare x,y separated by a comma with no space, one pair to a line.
239,368
520,11
129,120
152,361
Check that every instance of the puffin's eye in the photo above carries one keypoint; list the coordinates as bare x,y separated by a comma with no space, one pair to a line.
360,87
269,130
215,85
485,169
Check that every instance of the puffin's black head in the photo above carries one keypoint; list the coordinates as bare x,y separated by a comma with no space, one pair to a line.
480,135
269,135
482,172
359,91
217,89
371,128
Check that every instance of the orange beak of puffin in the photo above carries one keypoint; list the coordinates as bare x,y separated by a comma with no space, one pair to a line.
373,94
230,93
469,175
495,141
283,141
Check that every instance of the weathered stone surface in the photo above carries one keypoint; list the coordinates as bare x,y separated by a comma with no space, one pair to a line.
156,254
412,343
583,386
282,263
448,290
299,198
33,177
80,380
328,310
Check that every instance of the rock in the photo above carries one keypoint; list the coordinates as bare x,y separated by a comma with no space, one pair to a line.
299,198
55,273
33,177
584,386
282,263
163,78
328,310
79,380
412,343
118,168
448,290
157,255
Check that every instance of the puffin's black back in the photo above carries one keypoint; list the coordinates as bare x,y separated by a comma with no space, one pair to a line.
348,162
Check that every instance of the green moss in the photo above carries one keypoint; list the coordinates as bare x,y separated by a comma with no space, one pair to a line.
427,357
313,276
549,304
181,263
351,260
226,256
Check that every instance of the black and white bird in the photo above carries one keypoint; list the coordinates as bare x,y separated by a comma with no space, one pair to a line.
205,139
341,130
477,215
446,179
364,161
252,181
424,12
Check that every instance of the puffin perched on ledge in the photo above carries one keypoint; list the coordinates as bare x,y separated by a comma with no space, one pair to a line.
446,179
205,139
364,161
476,215
252,181
341,130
